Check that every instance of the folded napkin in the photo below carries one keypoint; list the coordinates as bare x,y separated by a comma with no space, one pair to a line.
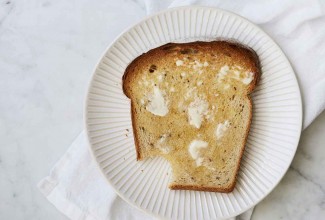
297,26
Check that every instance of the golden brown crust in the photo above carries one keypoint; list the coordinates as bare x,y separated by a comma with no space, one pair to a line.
135,133
234,49
243,146
170,47
202,188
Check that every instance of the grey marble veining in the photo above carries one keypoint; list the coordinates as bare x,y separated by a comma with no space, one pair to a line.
48,50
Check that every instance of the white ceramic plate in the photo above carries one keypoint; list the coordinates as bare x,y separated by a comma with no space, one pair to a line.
273,137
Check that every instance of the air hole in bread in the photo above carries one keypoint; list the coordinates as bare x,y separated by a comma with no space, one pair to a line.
152,68
189,51
227,54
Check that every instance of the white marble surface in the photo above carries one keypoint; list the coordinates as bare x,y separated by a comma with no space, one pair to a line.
47,52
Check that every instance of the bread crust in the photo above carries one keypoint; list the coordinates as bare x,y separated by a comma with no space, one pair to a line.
166,48
135,134
170,47
201,188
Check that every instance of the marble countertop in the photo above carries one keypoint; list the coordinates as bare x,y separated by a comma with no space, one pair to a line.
48,50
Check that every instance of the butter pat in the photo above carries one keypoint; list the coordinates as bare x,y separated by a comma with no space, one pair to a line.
221,129
196,110
195,148
249,78
223,72
197,64
157,104
235,74
179,63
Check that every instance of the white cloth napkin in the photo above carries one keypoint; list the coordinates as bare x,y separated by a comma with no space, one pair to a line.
297,26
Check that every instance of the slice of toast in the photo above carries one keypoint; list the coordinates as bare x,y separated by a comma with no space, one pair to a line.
190,104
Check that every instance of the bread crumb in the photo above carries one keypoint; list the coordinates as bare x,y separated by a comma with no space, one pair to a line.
205,64
199,83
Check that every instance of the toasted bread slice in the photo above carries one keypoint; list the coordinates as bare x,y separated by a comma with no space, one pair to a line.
190,104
